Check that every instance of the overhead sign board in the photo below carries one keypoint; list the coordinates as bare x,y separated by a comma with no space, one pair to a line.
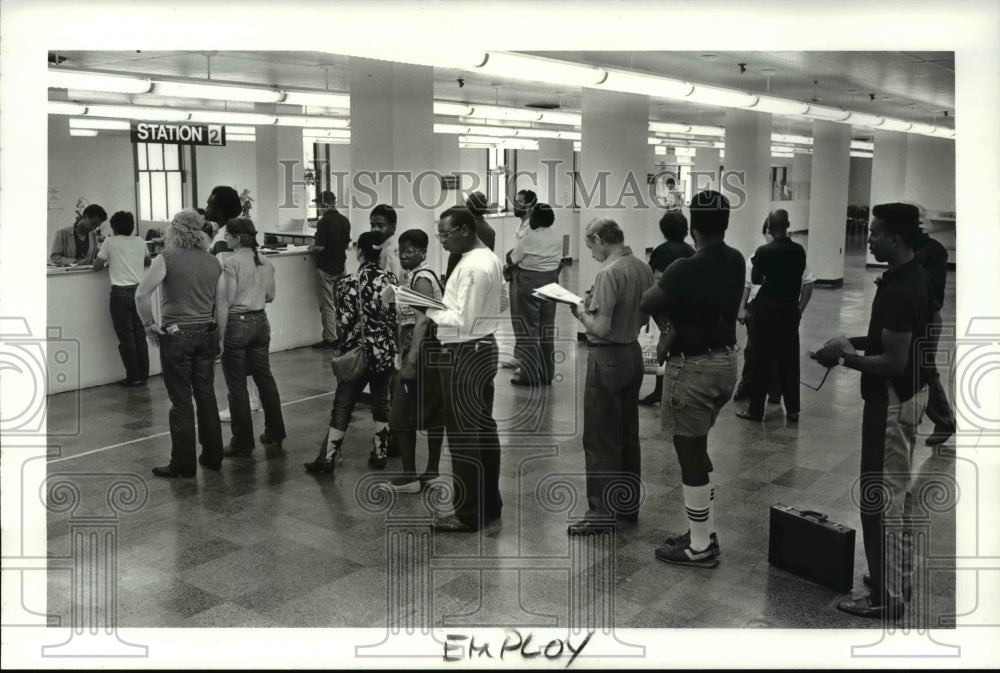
179,134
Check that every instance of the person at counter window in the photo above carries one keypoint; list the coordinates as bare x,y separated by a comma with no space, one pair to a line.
383,220
126,256
189,343
478,205
245,286
538,258
223,205
329,249
611,316
368,322
78,244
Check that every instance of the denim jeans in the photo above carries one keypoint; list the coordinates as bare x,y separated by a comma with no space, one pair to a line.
695,390
248,336
188,361
467,370
130,332
611,428
534,325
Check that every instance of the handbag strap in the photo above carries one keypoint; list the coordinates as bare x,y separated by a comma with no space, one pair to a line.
413,278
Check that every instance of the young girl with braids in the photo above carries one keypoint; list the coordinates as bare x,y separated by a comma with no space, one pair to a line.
246,284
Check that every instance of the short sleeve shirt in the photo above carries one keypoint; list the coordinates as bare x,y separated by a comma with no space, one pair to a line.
665,254
126,258
617,291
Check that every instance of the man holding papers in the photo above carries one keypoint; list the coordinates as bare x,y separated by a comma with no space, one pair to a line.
473,300
610,313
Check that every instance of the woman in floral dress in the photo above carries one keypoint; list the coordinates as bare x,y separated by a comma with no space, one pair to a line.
375,327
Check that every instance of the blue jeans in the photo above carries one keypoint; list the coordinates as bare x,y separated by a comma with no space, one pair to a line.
534,325
695,389
248,336
130,332
188,362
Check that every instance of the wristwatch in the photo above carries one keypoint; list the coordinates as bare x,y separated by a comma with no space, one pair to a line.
842,360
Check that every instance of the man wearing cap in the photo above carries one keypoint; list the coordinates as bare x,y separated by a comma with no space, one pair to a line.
333,235
189,341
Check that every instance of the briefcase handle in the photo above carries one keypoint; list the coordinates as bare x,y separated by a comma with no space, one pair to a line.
822,518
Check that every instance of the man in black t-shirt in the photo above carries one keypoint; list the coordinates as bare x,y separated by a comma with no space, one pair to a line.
777,267
893,386
699,296
333,235
674,227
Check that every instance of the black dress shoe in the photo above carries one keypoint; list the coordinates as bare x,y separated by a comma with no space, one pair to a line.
792,418
270,442
591,526
863,607
452,524
747,416
652,398
939,436
907,589
209,466
231,452
171,472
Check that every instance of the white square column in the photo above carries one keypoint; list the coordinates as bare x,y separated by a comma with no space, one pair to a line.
746,181
831,167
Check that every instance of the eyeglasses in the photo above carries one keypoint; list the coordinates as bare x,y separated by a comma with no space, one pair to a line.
439,236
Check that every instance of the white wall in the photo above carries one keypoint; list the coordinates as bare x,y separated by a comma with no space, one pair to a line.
234,165
930,172
100,169
473,161
859,185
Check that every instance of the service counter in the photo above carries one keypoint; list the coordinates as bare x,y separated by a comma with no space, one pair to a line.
78,315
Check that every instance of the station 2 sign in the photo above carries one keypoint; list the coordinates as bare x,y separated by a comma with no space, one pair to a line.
179,134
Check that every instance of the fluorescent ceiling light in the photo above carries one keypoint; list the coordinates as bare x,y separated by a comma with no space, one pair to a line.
317,99
343,134
859,119
332,141
545,133
241,137
684,151
426,55
653,141
785,138
105,124
942,132
710,95
668,127
451,128
779,106
923,129
533,68
707,131
492,131
83,133
139,113
660,150
92,81
565,118
505,113
862,145
217,92
828,113
646,85
452,109
510,143
241,130
216,117
862,155
894,125
58,107
473,146
313,122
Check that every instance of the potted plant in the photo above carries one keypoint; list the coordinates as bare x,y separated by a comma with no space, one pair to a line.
247,201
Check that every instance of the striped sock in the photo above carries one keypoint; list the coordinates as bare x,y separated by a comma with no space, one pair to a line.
698,503
711,506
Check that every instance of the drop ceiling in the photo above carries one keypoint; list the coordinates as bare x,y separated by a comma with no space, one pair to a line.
915,86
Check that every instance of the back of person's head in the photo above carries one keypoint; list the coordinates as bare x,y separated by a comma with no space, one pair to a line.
414,238
900,219
185,231
123,223
607,230
94,211
245,233
386,211
528,197
326,199
709,213
671,182
370,245
674,226
778,220
542,215
227,201
477,203
460,218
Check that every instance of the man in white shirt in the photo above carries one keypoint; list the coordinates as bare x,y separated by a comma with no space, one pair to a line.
474,298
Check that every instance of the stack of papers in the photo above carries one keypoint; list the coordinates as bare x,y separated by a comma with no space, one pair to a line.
556,292
406,296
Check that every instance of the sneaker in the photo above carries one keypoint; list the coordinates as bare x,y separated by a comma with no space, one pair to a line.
403,485
685,556
684,539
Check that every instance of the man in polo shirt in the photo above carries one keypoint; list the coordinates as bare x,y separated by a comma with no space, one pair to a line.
611,316
329,248
778,267
78,244
700,296
893,386
474,296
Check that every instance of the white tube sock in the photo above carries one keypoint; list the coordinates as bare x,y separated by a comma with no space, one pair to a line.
698,504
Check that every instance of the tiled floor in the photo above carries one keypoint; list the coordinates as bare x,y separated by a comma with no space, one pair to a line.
264,544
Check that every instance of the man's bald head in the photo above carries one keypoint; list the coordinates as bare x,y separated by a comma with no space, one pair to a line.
777,221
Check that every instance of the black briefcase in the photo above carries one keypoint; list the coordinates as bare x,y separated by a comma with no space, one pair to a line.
809,545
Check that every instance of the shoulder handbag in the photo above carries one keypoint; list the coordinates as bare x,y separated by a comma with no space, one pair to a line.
353,364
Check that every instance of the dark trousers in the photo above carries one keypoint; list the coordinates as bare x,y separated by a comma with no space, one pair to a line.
775,339
611,429
349,392
746,374
938,408
131,335
188,362
248,337
467,371
534,325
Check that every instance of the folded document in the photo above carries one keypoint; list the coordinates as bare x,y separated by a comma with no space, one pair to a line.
404,295
556,292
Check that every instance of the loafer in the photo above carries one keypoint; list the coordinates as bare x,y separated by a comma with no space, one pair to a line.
907,589
747,416
231,452
591,526
792,418
863,607
651,399
452,524
171,472
270,442
215,467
